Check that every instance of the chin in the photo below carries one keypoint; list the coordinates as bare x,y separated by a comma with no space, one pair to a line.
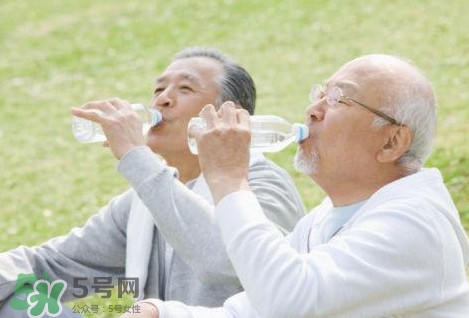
306,161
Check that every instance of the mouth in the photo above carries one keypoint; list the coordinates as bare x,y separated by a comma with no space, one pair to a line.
308,139
161,124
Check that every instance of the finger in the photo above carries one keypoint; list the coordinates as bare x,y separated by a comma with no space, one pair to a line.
96,110
210,115
243,118
91,114
118,103
228,113
104,106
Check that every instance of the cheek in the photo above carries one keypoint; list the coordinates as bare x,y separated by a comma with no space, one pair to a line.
338,142
352,149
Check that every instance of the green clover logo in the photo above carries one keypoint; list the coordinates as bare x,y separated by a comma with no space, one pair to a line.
41,298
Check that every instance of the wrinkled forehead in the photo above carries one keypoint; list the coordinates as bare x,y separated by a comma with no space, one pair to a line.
198,70
364,74
181,75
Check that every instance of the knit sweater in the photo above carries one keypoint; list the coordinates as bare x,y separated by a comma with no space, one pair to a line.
188,261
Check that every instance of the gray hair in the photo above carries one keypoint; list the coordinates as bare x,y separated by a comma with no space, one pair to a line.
235,84
414,106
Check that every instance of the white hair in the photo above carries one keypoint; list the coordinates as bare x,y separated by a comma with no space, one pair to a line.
414,106
306,162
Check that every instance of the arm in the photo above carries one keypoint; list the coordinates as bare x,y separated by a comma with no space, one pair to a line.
95,250
188,221
185,219
388,260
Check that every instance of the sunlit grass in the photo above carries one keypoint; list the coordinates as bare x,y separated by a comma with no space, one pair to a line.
58,54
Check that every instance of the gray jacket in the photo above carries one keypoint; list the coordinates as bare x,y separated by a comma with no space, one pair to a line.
187,262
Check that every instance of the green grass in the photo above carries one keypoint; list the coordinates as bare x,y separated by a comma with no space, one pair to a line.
57,54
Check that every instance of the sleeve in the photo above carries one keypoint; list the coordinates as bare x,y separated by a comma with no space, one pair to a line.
187,221
374,268
277,195
169,309
236,306
75,255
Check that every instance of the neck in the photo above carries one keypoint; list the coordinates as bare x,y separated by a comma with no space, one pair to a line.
356,188
186,163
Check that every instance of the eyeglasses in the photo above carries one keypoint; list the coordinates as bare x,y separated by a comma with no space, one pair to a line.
334,95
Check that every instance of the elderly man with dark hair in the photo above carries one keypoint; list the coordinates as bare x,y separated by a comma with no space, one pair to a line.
163,230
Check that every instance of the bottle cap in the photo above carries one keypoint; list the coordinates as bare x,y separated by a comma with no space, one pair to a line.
301,132
156,117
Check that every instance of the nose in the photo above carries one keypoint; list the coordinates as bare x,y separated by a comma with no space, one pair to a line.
315,111
164,98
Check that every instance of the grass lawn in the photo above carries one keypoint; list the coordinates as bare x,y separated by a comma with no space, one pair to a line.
57,54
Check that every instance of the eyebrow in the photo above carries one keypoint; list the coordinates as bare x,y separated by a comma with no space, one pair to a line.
185,76
344,84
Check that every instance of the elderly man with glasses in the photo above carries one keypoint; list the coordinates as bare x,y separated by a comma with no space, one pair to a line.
386,242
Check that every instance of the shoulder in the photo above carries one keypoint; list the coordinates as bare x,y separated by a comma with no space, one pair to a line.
119,207
267,168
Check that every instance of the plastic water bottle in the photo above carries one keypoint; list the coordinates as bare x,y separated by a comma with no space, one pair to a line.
269,133
86,131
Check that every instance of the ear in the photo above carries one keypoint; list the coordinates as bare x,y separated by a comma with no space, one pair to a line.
398,142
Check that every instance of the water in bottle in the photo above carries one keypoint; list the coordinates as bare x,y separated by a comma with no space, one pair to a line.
86,131
268,133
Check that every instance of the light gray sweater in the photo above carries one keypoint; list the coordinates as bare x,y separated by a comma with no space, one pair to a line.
188,261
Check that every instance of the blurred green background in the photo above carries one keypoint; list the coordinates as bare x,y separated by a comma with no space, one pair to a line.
57,54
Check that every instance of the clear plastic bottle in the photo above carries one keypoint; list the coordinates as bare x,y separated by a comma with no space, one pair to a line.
86,131
269,133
